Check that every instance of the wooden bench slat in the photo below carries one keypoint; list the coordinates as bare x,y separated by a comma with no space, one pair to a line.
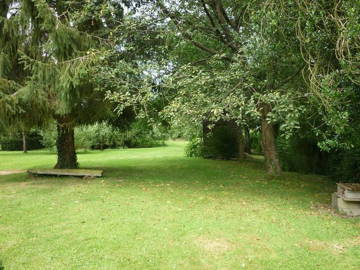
67,172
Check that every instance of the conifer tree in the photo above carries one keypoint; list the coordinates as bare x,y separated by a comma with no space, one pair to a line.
49,53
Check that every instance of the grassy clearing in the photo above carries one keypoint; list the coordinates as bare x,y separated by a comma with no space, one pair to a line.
156,209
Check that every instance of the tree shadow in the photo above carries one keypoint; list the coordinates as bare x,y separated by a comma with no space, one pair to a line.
237,178
29,153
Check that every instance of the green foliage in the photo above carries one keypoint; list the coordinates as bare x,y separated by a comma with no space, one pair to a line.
11,144
218,141
102,135
194,148
306,70
77,62
221,143
50,53
14,141
326,32
344,166
85,137
238,64
302,154
255,141
49,136
143,134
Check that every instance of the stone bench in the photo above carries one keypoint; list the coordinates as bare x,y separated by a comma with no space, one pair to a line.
347,199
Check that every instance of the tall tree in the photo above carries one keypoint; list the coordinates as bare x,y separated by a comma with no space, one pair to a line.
50,51
249,65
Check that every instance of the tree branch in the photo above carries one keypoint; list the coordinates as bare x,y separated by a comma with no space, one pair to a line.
187,35
226,17
218,10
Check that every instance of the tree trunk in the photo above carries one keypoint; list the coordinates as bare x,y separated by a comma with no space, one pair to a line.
241,144
247,140
24,143
65,144
268,142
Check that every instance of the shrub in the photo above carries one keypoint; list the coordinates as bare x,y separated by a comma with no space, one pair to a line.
14,142
102,135
11,144
49,137
84,137
304,156
142,134
344,166
221,142
194,148
301,154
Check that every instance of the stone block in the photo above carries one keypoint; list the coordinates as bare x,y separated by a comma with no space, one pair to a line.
345,207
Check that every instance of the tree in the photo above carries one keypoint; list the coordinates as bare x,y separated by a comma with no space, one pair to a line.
50,51
244,71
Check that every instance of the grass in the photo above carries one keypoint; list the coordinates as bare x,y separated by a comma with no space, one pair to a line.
156,209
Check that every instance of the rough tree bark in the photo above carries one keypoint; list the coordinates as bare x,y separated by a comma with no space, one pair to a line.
268,142
241,143
65,144
24,143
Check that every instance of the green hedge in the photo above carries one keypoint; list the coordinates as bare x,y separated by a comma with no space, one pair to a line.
194,148
344,166
304,156
221,143
33,142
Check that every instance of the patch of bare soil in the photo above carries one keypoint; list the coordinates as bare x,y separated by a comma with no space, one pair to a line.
215,246
11,172
317,245
355,242
334,248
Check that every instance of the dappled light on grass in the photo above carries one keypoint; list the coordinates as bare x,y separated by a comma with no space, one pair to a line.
156,209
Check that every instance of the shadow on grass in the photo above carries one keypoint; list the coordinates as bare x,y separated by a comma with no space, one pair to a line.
244,179
28,154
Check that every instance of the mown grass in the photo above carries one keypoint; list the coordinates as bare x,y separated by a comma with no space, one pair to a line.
156,209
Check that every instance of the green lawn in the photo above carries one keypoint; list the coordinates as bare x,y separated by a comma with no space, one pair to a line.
156,209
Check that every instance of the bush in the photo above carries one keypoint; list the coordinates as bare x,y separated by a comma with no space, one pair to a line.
96,136
194,148
302,155
84,137
11,144
49,137
15,143
143,134
344,166
221,142
102,135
